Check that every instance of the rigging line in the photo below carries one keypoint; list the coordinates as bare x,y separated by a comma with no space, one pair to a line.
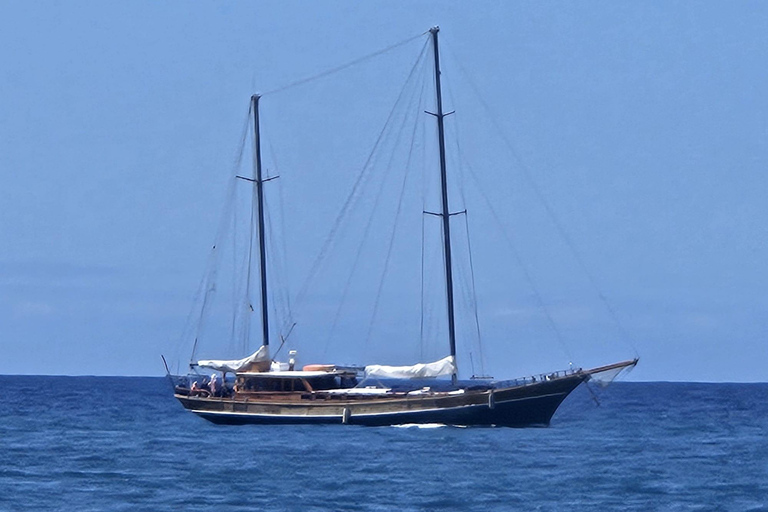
342,67
522,265
281,199
463,295
247,328
236,288
426,306
269,255
442,244
273,268
473,301
239,264
204,290
397,216
234,277
277,271
241,267
208,282
208,287
366,232
247,334
421,322
550,211
235,345
237,293
355,188
433,336
474,296
457,136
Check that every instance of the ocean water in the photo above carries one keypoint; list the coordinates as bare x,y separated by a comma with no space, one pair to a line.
88,443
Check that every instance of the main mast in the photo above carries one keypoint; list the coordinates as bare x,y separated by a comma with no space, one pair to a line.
260,208
446,212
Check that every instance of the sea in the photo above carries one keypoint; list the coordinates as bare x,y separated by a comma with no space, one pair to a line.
125,444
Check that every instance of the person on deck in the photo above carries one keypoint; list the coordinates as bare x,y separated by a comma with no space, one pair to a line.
196,390
214,385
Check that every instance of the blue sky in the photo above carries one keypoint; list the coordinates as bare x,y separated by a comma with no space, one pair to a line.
642,126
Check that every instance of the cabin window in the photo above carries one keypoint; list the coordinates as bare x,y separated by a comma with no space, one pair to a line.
323,382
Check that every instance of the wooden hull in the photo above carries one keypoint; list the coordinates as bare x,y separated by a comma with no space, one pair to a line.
518,406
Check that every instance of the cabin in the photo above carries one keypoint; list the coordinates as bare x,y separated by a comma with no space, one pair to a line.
293,381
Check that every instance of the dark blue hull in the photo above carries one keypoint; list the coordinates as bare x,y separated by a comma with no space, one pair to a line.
520,406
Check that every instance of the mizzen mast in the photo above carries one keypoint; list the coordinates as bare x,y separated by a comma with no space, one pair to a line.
259,184
446,215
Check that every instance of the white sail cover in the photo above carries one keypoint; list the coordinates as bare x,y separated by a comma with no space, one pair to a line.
445,366
236,365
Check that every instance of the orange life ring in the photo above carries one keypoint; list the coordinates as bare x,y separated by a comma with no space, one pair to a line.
319,367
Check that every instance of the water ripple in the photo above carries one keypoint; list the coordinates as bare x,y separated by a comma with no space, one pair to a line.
124,444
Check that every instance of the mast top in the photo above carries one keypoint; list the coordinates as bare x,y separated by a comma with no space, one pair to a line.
434,29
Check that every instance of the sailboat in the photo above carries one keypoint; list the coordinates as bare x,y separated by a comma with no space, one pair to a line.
266,391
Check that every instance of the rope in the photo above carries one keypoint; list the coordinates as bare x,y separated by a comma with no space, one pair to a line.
351,197
474,297
342,67
283,246
369,222
397,216
473,290
522,265
281,319
247,326
421,320
273,271
207,286
548,208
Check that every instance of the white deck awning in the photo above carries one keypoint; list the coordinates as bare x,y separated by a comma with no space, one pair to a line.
445,366
236,365
287,374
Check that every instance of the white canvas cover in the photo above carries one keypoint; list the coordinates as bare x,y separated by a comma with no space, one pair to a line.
236,365
445,366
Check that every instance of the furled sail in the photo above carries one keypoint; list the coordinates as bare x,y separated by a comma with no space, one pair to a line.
445,366
237,365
